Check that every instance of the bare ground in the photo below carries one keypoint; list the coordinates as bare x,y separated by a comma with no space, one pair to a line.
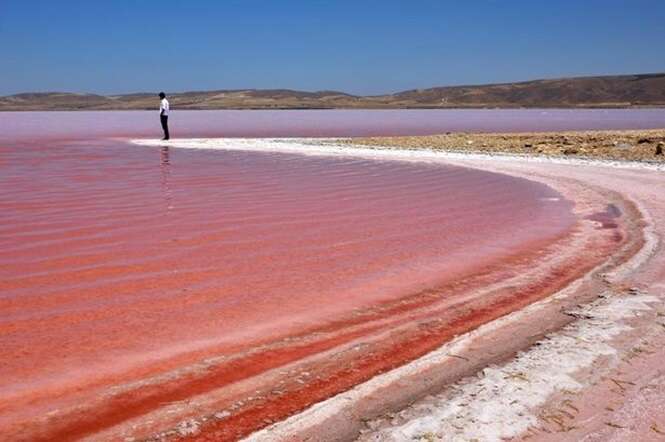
627,145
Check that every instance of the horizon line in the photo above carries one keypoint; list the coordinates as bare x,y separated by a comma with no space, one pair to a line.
340,91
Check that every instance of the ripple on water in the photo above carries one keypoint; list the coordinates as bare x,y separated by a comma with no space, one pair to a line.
109,251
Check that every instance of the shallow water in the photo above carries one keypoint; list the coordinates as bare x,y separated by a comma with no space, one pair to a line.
113,256
118,261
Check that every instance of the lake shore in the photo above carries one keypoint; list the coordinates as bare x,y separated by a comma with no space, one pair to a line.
623,145
607,309
595,376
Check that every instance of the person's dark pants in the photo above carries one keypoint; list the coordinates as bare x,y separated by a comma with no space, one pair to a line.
165,125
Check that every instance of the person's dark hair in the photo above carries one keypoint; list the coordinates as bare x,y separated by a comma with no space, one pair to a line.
162,95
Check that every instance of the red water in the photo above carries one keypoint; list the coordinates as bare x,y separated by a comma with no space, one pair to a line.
117,260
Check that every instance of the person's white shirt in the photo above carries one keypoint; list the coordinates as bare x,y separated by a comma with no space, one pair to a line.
164,106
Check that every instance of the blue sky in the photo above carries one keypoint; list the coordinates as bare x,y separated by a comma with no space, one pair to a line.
364,47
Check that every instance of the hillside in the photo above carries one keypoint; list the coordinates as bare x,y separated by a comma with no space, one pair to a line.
612,91
606,91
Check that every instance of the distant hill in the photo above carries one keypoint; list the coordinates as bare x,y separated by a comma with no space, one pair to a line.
605,91
611,91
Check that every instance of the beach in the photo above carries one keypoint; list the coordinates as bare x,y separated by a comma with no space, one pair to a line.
410,304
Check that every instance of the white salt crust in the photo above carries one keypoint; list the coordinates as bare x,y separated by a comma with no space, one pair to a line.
324,147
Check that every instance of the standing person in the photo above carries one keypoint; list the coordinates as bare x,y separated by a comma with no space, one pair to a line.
164,115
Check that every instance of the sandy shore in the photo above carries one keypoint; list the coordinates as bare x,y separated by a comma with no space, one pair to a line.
579,360
626,145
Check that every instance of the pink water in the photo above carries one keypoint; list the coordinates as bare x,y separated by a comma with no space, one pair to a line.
319,123
115,258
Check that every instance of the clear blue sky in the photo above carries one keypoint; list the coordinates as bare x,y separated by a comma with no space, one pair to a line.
365,47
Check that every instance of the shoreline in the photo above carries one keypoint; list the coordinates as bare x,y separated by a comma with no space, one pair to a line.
361,374
300,427
424,415
616,148
617,145
591,405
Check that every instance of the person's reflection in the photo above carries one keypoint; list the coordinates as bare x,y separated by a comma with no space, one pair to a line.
165,156
165,166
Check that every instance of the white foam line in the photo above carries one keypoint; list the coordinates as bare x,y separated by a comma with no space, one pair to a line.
325,147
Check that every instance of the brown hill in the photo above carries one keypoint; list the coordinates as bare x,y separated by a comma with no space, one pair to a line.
607,91
53,101
625,90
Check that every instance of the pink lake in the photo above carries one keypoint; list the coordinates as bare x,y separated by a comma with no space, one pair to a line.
119,262
318,123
